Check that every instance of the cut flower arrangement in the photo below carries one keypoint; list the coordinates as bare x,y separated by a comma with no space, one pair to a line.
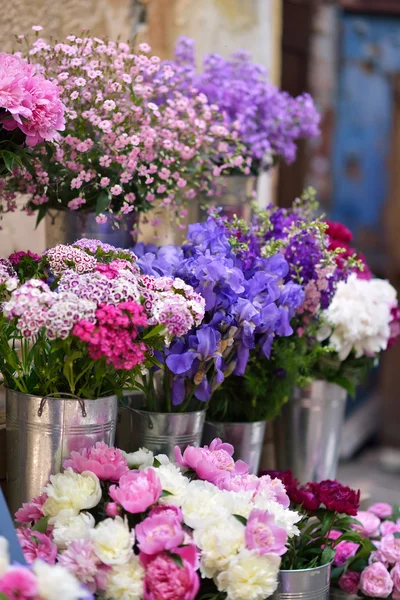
82,320
139,527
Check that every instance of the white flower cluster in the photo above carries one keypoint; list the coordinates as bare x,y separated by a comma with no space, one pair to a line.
358,318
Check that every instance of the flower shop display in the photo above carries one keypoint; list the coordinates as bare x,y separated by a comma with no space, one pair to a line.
40,581
132,140
372,570
78,325
328,536
245,301
139,527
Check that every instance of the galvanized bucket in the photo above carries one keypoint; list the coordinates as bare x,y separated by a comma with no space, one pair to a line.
338,594
307,433
246,438
42,431
161,432
234,197
304,584
67,226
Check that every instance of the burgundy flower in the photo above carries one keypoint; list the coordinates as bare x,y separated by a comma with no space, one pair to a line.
307,496
339,498
16,257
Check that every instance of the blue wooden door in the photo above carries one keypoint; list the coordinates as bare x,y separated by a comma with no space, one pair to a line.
369,58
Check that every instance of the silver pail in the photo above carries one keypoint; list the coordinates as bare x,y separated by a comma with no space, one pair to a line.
161,432
338,594
307,432
42,431
246,438
304,584
67,226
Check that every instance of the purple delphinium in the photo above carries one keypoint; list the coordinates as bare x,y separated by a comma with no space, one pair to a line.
248,304
269,122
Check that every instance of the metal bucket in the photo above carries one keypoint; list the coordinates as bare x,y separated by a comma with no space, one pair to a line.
67,226
246,438
304,584
307,432
338,594
161,432
42,431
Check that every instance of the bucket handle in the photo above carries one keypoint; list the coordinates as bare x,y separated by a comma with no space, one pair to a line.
63,397
142,415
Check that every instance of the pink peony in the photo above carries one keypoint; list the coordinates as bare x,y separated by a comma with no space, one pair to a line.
275,489
170,511
390,548
18,583
165,580
159,532
377,556
350,581
31,511
36,545
262,535
112,509
81,560
344,551
389,527
105,462
137,491
237,483
375,581
381,510
370,524
395,575
210,461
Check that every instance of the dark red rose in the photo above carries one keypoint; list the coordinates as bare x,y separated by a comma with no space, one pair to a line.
339,498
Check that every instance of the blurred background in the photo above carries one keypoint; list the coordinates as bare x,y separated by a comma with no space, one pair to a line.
346,53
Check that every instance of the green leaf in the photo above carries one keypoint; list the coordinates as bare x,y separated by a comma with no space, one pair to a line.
41,525
241,519
3,596
177,559
396,534
328,555
157,330
327,522
359,565
166,493
337,572
156,463
102,202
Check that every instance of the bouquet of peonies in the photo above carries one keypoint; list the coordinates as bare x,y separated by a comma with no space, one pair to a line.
246,302
327,530
82,319
269,122
40,581
138,527
131,139
372,570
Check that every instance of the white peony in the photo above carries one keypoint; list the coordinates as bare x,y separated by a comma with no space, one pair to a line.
250,576
113,541
4,557
55,582
239,503
202,501
70,490
358,318
174,482
219,541
284,518
125,582
68,528
141,459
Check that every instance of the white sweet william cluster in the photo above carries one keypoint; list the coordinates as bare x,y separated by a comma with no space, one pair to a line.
227,529
359,317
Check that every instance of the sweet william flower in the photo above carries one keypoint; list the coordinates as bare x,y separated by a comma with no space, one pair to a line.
137,490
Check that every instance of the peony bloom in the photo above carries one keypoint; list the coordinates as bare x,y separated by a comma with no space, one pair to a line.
350,581
370,524
137,490
36,545
55,582
107,463
18,582
389,527
376,582
72,491
202,501
219,541
166,580
159,532
31,511
209,461
381,510
390,548
81,560
125,582
339,498
69,527
344,551
173,482
263,535
395,575
113,541
169,510
141,459
250,576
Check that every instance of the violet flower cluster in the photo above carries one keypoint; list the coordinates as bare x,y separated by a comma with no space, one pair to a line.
246,303
269,121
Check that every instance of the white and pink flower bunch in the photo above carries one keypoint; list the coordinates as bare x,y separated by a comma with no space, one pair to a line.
375,574
87,308
131,138
138,527
40,581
